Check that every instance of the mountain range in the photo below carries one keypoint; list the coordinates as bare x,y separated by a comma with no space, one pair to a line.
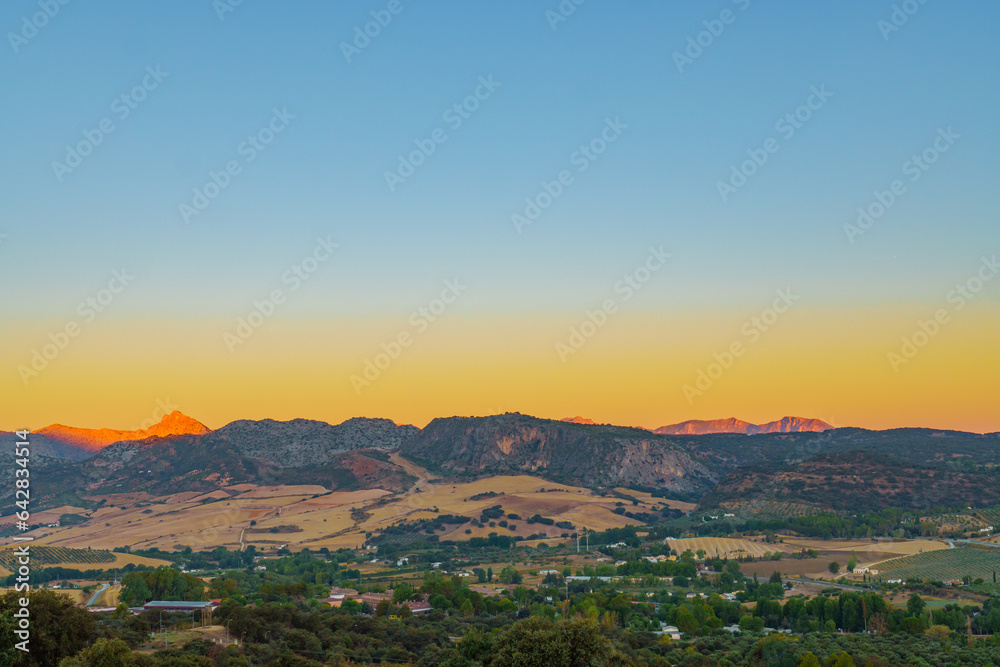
783,425
93,440
361,453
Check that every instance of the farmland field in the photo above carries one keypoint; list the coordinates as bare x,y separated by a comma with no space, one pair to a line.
945,565
310,516
48,556
990,517
768,509
725,547
44,555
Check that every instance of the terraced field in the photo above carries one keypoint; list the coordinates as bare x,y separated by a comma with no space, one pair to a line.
990,516
759,508
945,565
45,555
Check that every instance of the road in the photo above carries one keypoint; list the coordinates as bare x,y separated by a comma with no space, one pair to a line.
423,477
95,596
982,544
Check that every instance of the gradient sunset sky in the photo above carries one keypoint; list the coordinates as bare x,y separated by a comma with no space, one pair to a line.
669,130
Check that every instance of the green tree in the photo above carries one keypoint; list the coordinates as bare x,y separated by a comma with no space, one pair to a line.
773,650
751,624
539,642
686,621
834,567
509,575
402,593
59,628
809,660
107,653
915,605
852,562
839,660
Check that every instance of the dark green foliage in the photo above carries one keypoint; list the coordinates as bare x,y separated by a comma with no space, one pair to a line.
163,583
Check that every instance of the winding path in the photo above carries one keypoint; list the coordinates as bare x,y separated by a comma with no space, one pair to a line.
97,595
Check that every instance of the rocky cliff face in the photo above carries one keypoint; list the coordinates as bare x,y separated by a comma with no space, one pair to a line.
585,455
301,442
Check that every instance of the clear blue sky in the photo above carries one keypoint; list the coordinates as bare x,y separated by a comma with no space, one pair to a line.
888,95
656,185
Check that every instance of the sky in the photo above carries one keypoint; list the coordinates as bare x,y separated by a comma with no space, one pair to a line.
636,212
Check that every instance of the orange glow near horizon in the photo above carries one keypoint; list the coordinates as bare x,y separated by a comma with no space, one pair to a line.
829,364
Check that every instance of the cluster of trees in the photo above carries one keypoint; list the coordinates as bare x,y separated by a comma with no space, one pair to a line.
186,557
163,583
891,522
47,574
556,624
582,633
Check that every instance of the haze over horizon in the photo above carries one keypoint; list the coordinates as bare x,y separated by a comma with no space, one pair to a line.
158,415
640,292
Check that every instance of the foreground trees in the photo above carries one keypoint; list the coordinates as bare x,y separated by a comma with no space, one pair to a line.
58,628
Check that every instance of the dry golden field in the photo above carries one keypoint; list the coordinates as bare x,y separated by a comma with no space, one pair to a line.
309,516
726,547
45,516
651,500
868,552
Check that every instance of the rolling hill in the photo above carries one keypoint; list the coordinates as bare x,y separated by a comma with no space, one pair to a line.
343,457
857,482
